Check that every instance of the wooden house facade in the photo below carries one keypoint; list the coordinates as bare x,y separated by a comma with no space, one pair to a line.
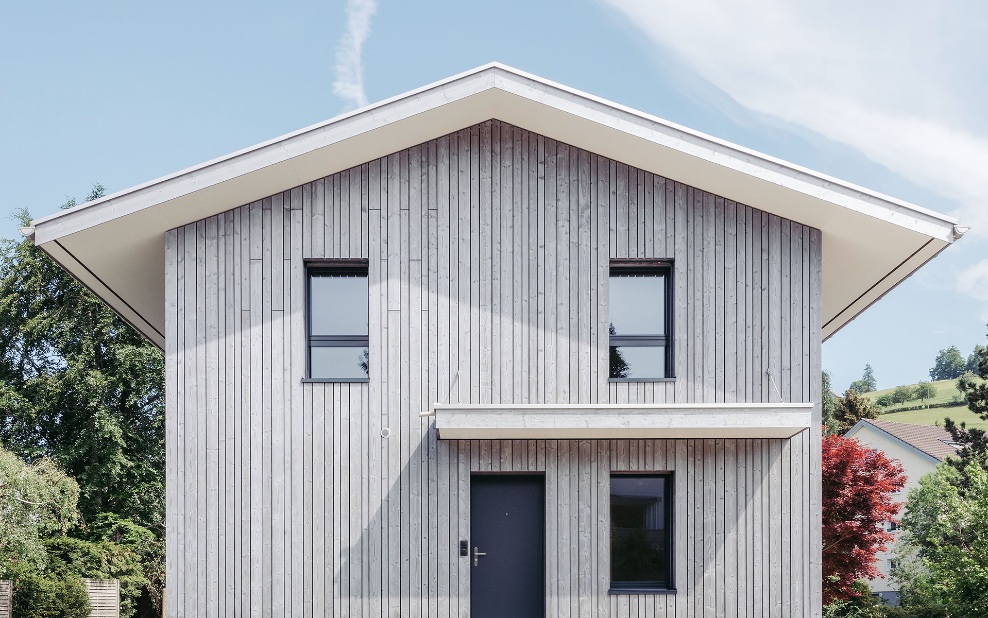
487,250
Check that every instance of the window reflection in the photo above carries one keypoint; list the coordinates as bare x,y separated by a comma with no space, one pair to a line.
339,362
638,361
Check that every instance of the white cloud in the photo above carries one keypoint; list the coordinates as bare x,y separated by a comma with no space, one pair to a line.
973,281
349,84
901,82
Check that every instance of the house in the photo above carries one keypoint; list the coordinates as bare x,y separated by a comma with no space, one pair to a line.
493,347
919,448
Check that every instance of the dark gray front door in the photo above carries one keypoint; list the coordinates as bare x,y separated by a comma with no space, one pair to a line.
507,546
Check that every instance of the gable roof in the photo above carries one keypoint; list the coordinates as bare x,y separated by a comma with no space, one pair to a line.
871,242
934,442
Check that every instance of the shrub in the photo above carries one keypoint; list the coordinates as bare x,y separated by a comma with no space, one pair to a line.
100,560
884,401
38,595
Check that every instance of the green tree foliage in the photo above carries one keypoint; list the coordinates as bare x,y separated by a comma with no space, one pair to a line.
38,595
885,400
944,549
949,364
35,501
867,383
851,408
137,540
98,559
973,441
972,362
862,605
924,391
80,386
857,484
828,405
902,394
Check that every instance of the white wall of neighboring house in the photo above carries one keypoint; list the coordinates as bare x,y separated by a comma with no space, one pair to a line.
916,464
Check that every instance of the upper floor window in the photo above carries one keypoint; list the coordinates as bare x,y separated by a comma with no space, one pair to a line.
337,321
640,320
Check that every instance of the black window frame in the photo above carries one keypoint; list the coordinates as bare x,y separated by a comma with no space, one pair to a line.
657,267
643,587
341,267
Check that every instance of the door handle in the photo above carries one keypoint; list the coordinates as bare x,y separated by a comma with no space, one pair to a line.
476,556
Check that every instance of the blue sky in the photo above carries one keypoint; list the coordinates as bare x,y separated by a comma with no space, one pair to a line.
886,95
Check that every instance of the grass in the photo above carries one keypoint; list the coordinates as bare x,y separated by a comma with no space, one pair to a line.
946,393
935,416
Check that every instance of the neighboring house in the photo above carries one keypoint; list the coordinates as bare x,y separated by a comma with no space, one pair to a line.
619,318
919,448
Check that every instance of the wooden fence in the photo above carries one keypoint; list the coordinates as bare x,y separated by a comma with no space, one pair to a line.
104,597
6,598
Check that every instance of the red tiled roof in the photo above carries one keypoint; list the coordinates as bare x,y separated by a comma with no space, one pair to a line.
934,441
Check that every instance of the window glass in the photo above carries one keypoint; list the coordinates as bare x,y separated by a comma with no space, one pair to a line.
338,362
637,304
638,361
639,318
339,305
338,321
640,531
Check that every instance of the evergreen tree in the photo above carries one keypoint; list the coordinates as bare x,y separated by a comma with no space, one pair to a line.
851,408
867,383
973,441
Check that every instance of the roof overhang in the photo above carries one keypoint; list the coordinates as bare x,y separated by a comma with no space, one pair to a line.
115,245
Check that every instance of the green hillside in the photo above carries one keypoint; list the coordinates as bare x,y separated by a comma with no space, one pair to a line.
935,416
946,394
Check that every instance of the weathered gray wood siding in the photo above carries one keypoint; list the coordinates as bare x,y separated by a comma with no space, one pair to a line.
488,255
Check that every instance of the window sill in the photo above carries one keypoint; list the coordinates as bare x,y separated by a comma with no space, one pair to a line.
335,380
619,591
617,380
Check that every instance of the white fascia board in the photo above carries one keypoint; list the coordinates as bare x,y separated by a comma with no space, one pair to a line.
537,91
581,422
284,151
730,156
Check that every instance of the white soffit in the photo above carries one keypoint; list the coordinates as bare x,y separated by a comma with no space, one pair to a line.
586,422
871,242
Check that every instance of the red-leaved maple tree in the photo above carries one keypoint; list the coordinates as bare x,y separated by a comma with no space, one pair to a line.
858,484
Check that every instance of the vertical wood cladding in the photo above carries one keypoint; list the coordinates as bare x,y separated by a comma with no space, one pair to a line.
488,258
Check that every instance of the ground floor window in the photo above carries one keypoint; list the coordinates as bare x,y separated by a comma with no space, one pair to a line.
641,532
